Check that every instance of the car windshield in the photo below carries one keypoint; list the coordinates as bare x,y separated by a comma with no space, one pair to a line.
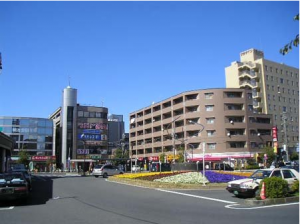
98,166
261,174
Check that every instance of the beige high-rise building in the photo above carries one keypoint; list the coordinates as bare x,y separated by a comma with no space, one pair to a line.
275,91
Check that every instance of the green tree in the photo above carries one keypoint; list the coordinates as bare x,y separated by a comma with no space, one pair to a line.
162,157
270,154
295,42
23,157
294,156
180,158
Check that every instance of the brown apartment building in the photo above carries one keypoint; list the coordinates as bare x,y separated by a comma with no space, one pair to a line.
224,119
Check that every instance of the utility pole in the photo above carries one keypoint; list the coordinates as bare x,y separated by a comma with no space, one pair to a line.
285,147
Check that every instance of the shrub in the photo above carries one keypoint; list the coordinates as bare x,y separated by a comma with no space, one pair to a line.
295,186
276,187
252,167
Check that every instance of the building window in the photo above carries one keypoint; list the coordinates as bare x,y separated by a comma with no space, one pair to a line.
209,107
237,144
281,80
208,95
86,114
211,145
284,109
210,133
210,120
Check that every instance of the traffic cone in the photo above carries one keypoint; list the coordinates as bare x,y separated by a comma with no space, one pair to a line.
263,191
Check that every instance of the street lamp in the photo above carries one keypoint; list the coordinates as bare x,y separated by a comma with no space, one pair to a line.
84,142
285,147
173,135
193,147
203,148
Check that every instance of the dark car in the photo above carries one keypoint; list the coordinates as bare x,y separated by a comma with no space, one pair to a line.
13,186
26,174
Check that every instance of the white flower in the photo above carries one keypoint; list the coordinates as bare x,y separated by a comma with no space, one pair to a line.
186,178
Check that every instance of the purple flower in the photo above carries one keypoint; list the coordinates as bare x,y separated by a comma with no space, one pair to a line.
214,177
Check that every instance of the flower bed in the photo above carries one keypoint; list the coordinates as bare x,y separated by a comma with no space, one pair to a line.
187,177
216,177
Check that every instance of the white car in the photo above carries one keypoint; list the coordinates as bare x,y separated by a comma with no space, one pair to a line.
136,168
106,170
248,187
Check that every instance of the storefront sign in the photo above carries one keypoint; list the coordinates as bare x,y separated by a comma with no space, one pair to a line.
274,134
153,158
42,158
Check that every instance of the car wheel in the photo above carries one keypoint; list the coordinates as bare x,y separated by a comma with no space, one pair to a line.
105,175
256,192
96,176
121,173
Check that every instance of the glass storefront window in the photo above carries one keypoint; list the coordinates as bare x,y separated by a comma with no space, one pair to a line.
41,131
24,122
33,122
33,130
49,124
41,138
41,123
40,146
7,121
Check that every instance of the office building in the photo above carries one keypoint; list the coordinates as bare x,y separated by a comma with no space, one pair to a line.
33,135
223,119
6,147
275,91
116,131
80,135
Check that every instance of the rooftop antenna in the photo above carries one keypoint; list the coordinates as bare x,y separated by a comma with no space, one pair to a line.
69,80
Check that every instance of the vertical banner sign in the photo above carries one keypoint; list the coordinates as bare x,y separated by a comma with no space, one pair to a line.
274,137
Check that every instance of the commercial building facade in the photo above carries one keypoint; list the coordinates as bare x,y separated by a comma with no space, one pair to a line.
33,135
6,147
222,118
80,132
275,91
116,132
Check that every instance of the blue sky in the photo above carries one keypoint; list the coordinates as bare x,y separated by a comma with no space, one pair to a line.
126,55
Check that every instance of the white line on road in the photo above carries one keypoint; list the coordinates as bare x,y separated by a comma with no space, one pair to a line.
9,208
266,206
195,196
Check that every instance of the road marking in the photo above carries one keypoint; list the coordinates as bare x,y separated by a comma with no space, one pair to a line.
196,196
9,208
259,207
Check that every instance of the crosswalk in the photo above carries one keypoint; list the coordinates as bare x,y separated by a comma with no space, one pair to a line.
45,176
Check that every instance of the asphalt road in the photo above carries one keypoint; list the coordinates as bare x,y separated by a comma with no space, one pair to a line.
89,200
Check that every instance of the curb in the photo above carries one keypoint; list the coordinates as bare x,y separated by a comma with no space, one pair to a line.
271,201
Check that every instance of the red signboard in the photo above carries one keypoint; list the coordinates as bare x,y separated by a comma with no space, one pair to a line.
42,158
274,134
153,158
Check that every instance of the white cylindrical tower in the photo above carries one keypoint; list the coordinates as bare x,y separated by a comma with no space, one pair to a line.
68,124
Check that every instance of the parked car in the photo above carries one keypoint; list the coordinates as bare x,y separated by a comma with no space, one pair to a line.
106,170
136,168
13,186
248,187
27,176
